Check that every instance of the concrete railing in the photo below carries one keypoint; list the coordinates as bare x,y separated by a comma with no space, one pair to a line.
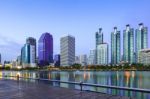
81,84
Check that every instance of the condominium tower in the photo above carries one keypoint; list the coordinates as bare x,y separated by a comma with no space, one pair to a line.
141,39
92,57
102,54
115,47
128,44
99,40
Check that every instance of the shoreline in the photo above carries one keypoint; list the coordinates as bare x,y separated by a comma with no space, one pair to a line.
74,70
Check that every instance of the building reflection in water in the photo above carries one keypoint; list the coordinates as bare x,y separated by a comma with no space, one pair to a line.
135,79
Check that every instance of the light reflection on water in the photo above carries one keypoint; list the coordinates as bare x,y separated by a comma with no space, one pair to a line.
135,79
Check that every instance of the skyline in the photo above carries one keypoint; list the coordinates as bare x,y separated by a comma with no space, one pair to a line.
78,18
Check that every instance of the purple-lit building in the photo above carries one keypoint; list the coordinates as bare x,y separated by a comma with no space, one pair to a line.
45,49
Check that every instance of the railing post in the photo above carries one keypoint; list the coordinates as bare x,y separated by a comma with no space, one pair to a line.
81,85
17,77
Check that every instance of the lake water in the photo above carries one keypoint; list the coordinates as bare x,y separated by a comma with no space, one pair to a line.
135,79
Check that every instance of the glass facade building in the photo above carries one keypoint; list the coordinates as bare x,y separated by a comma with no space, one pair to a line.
141,39
32,50
57,60
128,45
45,49
115,47
99,37
99,40
92,57
28,53
67,50
102,54
25,55
83,59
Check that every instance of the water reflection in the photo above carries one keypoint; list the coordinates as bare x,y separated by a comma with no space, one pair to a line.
135,79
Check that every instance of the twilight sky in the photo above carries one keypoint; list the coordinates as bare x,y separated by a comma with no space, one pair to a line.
20,19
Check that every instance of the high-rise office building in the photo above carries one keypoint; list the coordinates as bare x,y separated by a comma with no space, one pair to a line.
99,37
77,60
141,39
19,60
67,49
45,49
115,47
83,59
57,60
32,44
28,53
92,57
99,40
25,55
128,45
102,54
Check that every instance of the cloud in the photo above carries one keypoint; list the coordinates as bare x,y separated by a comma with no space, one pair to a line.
9,48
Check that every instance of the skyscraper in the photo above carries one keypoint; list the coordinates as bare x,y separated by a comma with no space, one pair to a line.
99,37
92,57
115,47
77,60
57,60
102,54
28,53
32,49
128,44
83,59
67,50
19,60
141,39
25,55
99,40
45,49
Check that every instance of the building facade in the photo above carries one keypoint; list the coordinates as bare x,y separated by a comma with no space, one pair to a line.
31,42
141,39
144,56
67,49
102,54
25,56
77,60
83,60
128,45
28,53
99,37
115,47
45,49
57,60
92,57
99,40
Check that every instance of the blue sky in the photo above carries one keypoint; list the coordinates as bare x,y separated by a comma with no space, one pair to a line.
20,19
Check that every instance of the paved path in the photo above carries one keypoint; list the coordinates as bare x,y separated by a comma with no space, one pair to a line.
10,89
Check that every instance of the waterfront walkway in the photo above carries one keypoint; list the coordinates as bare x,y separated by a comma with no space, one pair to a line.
10,89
